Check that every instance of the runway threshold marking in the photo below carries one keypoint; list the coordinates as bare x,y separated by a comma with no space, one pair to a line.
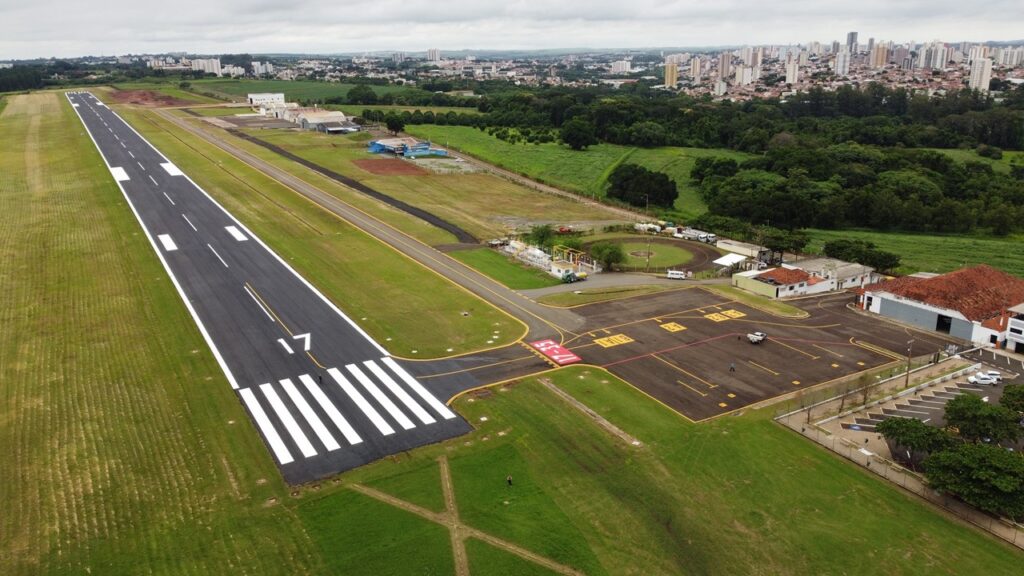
332,412
269,432
418,388
370,412
381,398
397,390
314,421
289,422
766,369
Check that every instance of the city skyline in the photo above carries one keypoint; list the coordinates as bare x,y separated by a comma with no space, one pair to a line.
66,29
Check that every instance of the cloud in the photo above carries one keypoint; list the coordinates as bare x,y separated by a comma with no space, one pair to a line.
42,28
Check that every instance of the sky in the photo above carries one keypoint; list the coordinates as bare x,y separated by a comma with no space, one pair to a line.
67,28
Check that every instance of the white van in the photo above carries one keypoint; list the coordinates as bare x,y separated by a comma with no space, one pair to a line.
676,274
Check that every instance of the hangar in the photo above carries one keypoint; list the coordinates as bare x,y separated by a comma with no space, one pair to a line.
978,303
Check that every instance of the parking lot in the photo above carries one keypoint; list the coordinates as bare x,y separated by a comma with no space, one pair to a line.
688,348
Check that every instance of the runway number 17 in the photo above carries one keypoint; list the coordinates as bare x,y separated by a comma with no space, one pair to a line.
305,342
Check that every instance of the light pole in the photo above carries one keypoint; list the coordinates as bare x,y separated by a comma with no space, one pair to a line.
647,212
910,347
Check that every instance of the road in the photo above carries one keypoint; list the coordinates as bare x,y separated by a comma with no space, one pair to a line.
324,396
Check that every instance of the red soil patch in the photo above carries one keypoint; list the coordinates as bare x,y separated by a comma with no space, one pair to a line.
147,98
390,167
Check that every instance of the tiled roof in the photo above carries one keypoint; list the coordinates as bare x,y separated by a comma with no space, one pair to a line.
783,276
979,292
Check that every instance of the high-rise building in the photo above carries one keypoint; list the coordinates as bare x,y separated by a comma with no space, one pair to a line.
671,74
793,72
981,74
434,55
841,65
871,44
724,65
621,67
804,59
835,47
208,66
695,68
851,42
721,88
879,56
398,57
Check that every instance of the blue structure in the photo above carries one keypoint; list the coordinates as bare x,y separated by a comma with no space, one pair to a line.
405,147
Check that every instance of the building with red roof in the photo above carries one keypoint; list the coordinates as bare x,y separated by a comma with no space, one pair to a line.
978,303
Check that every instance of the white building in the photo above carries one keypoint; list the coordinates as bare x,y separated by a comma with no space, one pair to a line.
793,72
208,65
981,74
434,55
267,99
841,65
262,69
980,304
622,67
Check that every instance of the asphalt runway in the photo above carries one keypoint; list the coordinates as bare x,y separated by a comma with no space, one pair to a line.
321,393
688,348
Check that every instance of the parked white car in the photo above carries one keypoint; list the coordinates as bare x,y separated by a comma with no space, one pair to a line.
994,374
982,378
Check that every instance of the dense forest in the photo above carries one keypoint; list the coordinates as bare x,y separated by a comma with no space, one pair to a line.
797,183
873,115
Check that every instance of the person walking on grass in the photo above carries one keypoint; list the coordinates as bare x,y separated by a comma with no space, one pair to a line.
508,479
732,366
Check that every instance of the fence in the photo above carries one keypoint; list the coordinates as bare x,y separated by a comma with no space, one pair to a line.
907,479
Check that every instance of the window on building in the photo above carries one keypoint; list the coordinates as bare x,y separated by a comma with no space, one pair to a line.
1015,330
993,339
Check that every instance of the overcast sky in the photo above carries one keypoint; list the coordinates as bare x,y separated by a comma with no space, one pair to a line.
62,28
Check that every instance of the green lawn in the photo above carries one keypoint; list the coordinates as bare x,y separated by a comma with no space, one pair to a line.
293,90
934,253
485,205
662,255
369,280
570,299
582,172
221,111
486,560
501,268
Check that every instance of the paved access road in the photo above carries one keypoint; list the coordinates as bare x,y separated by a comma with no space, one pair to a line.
323,395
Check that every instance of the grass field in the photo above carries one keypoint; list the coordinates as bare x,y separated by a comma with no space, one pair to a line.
1001,165
570,299
933,253
368,279
293,90
662,255
165,88
221,111
483,204
582,172
512,274
760,302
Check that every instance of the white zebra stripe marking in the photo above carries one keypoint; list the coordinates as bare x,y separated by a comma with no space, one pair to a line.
276,445
361,402
314,421
397,390
381,398
418,388
289,423
332,412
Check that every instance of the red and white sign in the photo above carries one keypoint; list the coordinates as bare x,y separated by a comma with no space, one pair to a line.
556,352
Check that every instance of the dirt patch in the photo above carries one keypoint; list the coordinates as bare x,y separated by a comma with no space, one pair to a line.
390,167
147,98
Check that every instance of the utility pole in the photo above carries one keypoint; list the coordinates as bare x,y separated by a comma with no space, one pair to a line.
647,212
910,347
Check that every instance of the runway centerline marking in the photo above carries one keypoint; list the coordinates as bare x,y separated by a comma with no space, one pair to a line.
217,255
285,345
132,155
190,224
258,303
153,180
140,165
169,199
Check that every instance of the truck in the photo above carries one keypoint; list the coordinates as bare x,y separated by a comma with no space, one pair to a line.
648,227
694,234
757,337
570,277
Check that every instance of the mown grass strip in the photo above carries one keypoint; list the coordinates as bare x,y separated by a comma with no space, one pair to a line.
773,307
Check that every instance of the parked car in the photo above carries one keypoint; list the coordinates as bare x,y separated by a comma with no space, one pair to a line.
982,378
757,337
994,374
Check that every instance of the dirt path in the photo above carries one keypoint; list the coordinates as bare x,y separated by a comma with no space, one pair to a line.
597,418
459,531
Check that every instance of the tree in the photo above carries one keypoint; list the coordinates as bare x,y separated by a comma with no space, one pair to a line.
578,134
361,94
394,123
977,420
985,476
542,235
608,254
911,440
639,186
1013,398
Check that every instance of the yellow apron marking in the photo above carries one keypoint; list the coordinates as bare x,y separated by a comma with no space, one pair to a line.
673,327
609,341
